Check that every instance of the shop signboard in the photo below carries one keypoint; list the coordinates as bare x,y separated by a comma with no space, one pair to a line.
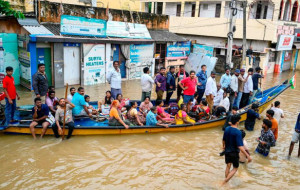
141,55
25,68
206,50
180,50
285,42
127,30
94,64
81,26
2,71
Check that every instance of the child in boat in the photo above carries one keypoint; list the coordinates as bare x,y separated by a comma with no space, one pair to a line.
107,99
122,103
151,118
134,116
87,100
145,106
252,115
202,111
161,114
182,117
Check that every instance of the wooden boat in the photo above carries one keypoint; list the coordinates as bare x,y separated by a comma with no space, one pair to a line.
86,126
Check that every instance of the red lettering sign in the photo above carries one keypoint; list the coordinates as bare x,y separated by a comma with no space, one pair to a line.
286,41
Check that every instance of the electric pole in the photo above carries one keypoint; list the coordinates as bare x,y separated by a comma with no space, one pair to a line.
232,6
244,32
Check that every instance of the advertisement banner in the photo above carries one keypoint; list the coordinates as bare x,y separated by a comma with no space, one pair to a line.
206,50
141,55
94,64
25,68
179,51
2,66
81,26
285,42
127,30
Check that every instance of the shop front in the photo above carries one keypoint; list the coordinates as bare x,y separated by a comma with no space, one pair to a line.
285,53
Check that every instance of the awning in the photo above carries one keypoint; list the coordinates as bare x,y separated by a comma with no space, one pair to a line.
28,22
165,36
58,38
38,30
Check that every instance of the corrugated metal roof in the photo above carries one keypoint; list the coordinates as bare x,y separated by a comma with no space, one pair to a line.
38,30
28,22
165,36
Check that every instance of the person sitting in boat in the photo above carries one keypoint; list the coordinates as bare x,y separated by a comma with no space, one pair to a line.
52,101
182,117
122,103
161,114
107,99
59,118
202,111
115,116
134,116
40,113
145,106
151,118
87,99
252,115
223,106
72,92
80,108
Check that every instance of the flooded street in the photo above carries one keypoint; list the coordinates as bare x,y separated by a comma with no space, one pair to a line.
185,160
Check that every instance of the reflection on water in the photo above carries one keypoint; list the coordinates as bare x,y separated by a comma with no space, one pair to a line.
185,160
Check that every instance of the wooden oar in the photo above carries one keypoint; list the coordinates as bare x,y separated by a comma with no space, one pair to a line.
65,108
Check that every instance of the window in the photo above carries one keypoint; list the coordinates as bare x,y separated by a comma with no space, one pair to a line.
193,10
205,6
258,11
265,12
178,10
159,8
218,10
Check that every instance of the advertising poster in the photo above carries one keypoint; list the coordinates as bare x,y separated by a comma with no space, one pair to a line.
94,64
141,55
180,50
81,26
206,50
25,69
285,42
127,30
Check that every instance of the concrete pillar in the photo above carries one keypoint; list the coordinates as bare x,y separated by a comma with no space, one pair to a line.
182,9
164,8
223,9
282,11
297,15
197,9
152,7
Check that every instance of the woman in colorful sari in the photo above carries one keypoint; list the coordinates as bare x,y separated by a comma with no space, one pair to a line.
134,116
115,116
145,106
182,117
121,107
161,114
202,111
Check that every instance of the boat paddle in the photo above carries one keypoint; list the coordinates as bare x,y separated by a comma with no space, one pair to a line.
65,108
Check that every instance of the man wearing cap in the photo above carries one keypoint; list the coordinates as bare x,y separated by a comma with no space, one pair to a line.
234,84
241,82
211,90
255,78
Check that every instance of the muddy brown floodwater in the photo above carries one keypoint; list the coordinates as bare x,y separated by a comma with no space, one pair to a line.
185,160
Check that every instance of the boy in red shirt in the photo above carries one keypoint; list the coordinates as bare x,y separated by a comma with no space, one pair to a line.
189,87
10,95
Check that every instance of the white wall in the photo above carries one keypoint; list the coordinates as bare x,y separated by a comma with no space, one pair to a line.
211,11
228,11
171,9
188,10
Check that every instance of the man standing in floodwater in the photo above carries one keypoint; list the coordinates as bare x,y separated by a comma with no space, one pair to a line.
295,137
114,79
233,144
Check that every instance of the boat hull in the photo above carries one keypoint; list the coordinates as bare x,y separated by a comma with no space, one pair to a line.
134,130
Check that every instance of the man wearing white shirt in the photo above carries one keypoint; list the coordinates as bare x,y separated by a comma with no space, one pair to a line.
219,96
248,89
278,113
234,85
211,90
225,102
114,79
146,83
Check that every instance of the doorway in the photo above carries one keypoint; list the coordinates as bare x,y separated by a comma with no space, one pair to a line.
71,65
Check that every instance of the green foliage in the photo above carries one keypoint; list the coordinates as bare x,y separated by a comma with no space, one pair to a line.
5,9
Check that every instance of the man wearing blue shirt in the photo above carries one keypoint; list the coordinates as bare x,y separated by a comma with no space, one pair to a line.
225,79
233,144
202,79
80,108
295,137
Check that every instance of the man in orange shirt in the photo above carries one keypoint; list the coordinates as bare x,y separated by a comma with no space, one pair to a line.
10,95
274,129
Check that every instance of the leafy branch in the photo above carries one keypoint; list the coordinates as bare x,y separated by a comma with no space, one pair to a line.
7,10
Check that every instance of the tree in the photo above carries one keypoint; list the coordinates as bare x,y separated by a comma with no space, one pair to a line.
7,10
